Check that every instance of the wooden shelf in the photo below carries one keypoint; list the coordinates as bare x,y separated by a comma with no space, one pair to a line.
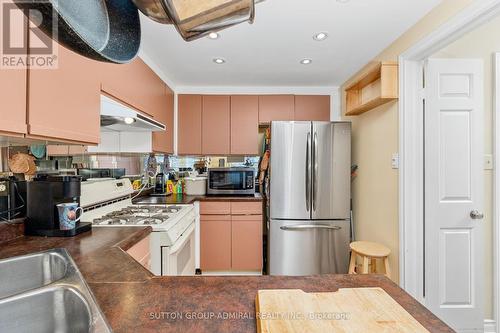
377,86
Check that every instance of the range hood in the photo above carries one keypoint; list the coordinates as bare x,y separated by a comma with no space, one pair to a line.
124,130
119,117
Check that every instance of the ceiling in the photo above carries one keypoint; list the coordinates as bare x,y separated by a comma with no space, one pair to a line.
268,52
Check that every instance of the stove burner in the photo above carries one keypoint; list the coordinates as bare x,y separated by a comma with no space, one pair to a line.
139,215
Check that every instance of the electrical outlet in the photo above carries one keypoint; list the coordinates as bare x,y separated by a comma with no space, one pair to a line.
395,161
488,162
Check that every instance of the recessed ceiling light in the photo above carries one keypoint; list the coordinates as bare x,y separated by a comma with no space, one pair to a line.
129,120
306,61
320,36
213,35
219,61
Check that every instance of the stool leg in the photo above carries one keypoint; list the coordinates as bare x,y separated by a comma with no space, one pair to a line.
374,265
352,263
387,267
365,265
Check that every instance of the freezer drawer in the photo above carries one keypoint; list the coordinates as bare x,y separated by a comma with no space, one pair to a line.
308,247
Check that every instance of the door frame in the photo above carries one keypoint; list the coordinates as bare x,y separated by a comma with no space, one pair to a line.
411,147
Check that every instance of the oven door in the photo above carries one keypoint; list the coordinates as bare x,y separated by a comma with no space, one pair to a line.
179,259
231,182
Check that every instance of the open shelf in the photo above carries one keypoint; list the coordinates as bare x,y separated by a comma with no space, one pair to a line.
377,86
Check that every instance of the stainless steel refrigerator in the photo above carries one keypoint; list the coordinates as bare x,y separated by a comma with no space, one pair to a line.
310,191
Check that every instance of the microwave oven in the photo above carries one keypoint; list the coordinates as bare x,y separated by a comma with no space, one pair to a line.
231,181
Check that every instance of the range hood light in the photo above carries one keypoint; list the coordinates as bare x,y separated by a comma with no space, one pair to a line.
129,120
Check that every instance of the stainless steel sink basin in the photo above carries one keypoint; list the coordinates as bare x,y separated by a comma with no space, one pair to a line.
56,309
45,292
24,273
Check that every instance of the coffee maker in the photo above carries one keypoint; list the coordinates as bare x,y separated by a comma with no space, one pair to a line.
45,192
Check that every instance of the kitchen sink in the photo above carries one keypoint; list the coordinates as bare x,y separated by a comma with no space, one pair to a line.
45,292
56,309
24,273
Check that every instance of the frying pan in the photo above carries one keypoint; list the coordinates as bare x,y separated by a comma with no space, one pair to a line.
103,30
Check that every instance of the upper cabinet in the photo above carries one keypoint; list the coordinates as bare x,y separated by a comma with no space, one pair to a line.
216,125
189,124
163,142
13,85
312,107
64,103
276,107
135,84
244,125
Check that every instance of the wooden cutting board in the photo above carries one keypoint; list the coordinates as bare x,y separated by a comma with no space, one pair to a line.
347,310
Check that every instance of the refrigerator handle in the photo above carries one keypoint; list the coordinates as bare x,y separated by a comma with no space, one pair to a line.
308,173
315,171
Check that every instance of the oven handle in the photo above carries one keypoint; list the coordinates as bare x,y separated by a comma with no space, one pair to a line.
309,226
182,240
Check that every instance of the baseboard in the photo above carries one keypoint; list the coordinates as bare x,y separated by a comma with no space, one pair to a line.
231,273
490,326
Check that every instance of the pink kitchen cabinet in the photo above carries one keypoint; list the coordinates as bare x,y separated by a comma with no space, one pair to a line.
216,125
244,125
312,107
246,242
141,252
276,107
189,125
215,242
163,142
13,89
64,103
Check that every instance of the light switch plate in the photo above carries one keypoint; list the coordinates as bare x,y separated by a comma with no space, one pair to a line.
395,161
488,162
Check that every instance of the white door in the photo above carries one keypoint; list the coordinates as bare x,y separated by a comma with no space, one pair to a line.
454,201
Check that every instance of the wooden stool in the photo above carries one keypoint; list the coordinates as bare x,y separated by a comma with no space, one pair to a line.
369,251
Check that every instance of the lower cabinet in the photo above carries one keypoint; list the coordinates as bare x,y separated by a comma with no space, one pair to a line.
246,242
141,252
215,247
231,236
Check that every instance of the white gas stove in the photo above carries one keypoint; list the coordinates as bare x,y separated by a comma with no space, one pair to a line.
108,203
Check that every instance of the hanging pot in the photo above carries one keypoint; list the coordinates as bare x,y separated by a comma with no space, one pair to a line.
194,19
104,30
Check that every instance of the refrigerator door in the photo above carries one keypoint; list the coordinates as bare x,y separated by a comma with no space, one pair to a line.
291,165
331,170
308,248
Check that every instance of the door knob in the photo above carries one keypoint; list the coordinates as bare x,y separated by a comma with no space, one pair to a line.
476,215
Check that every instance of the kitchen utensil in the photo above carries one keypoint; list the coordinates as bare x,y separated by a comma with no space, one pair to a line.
38,150
19,163
347,310
194,19
104,30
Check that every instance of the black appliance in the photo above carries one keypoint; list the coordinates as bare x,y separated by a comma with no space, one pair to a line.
45,192
12,198
160,184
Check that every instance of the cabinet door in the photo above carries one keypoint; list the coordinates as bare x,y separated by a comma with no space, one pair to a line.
135,84
189,125
215,242
246,240
64,103
314,108
244,125
13,85
163,142
216,123
276,107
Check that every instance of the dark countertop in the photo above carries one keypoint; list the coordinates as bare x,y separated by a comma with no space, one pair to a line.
177,199
133,300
